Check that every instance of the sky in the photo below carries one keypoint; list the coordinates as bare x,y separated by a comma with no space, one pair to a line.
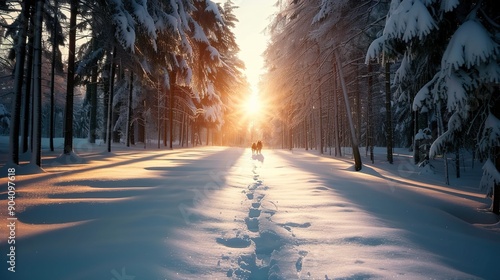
253,16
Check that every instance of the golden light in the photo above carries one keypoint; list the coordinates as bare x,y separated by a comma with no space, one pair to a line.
252,105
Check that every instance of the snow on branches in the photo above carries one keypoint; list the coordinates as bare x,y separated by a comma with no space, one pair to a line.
124,25
470,45
408,20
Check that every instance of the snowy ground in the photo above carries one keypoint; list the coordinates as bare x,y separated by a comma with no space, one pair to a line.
221,213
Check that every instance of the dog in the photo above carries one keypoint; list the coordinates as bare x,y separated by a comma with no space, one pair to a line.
259,147
254,148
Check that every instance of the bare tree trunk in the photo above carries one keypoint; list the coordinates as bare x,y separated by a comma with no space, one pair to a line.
440,132
18,86
52,76
105,88
369,121
159,120
496,187
336,124
93,101
27,132
355,148
36,155
109,129
165,119
320,112
68,125
358,105
388,112
129,109
306,133
496,159
172,79
416,143
208,134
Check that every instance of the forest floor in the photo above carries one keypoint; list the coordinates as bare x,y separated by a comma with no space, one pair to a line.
224,213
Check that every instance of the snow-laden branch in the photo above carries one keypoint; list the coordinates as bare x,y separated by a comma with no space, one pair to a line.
470,45
490,177
454,125
491,134
124,27
408,20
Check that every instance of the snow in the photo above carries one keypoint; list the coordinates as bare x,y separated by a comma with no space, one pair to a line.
214,54
470,45
491,133
409,19
375,49
424,94
123,22
424,134
223,213
212,8
489,72
490,177
455,92
199,34
144,18
449,5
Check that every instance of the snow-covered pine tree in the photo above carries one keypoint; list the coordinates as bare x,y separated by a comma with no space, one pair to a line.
229,80
459,40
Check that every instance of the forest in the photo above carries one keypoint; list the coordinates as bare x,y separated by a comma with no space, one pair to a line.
421,74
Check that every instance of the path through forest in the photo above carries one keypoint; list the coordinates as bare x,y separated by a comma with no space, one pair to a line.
223,213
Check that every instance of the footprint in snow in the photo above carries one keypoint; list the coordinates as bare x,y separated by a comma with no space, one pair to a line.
252,224
254,213
256,204
235,242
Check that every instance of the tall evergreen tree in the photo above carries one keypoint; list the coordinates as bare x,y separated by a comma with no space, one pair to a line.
459,40
70,82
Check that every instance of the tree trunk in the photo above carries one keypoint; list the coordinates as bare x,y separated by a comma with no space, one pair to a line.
109,128
68,125
93,101
440,132
18,86
165,118
496,159
182,127
129,109
355,148
416,143
306,133
105,89
388,112
36,155
158,117
208,134
27,129
496,187
320,112
336,115
172,79
369,115
52,77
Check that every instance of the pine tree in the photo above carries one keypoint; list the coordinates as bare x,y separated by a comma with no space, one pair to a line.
458,40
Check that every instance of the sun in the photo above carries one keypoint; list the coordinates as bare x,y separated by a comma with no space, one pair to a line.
252,105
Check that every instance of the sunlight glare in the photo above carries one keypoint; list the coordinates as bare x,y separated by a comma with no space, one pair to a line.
252,105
